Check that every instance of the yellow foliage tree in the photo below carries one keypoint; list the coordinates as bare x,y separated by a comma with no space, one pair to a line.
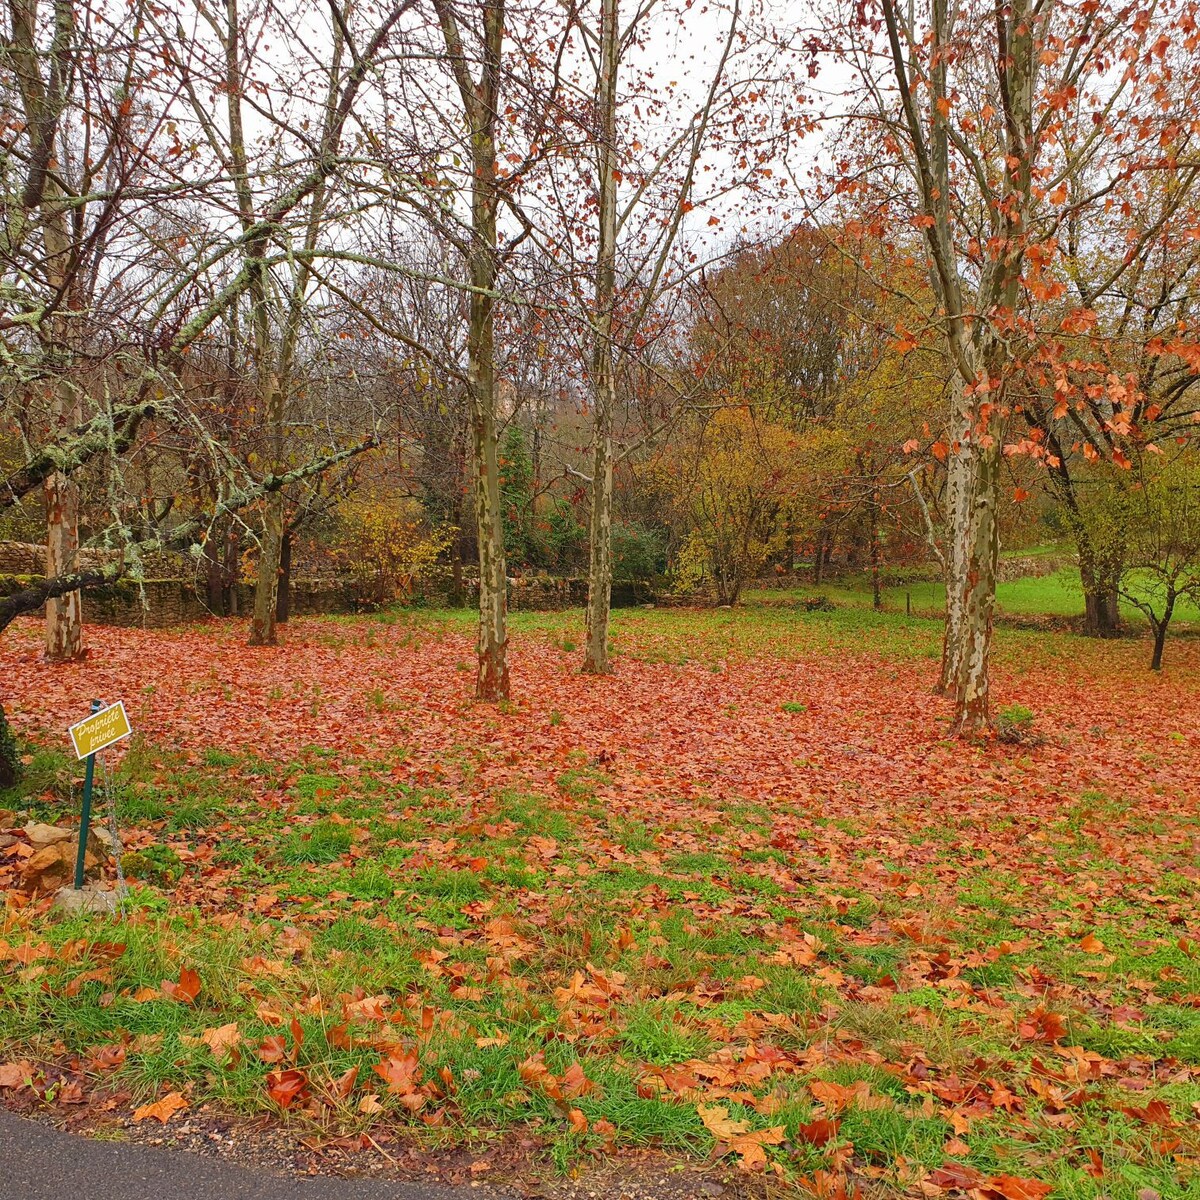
386,546
732,481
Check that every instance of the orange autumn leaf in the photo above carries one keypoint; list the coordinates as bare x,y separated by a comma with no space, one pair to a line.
286,1087
15,1074
185,990
736,1137
161,1110
222,1039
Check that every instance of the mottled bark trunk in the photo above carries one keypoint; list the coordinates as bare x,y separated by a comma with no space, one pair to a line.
958,495
595,654
480,99
599,600
45,208
974,585
491,679
64,615
266,585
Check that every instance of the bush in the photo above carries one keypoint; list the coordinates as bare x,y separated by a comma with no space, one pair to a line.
638,553
159,865
385,546
10,763
817,604
562,542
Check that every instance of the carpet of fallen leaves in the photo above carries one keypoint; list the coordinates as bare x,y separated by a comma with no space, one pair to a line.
743,896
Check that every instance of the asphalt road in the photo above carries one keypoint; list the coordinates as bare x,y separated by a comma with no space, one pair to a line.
38,1162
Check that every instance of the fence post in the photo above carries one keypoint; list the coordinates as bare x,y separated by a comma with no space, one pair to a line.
85,818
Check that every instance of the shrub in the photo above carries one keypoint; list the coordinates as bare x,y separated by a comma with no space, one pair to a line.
153,864
562,542
10,763
638,553
386,549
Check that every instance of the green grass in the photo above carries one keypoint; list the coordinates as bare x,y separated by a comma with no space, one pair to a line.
1055,595
686,945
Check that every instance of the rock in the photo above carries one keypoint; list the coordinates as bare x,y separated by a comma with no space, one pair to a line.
40,835
53,866
91,899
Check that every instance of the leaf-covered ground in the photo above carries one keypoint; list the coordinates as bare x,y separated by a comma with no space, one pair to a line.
744,898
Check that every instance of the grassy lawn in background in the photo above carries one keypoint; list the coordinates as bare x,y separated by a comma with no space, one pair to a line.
1056,595
745,898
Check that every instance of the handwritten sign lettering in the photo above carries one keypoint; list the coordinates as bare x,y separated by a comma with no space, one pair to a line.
101,729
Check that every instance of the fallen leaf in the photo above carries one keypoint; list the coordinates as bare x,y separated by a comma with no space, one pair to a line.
186,990
222,1039
161,1110
15,1074
1011,1187
286,1087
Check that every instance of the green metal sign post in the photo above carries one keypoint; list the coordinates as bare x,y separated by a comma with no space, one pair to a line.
85,819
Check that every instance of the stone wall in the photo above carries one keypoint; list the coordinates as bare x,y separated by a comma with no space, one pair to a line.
161,602
1036,566
22,558
157,603
26,558
547,593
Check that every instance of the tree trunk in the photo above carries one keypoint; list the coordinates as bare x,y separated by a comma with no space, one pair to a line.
974,586
876,593
42,106
480,100
283,602
491,679
1160,630
1099,579
214,576
64,616
233,569
1160,641
595,656
958,489
1101,613
266,586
